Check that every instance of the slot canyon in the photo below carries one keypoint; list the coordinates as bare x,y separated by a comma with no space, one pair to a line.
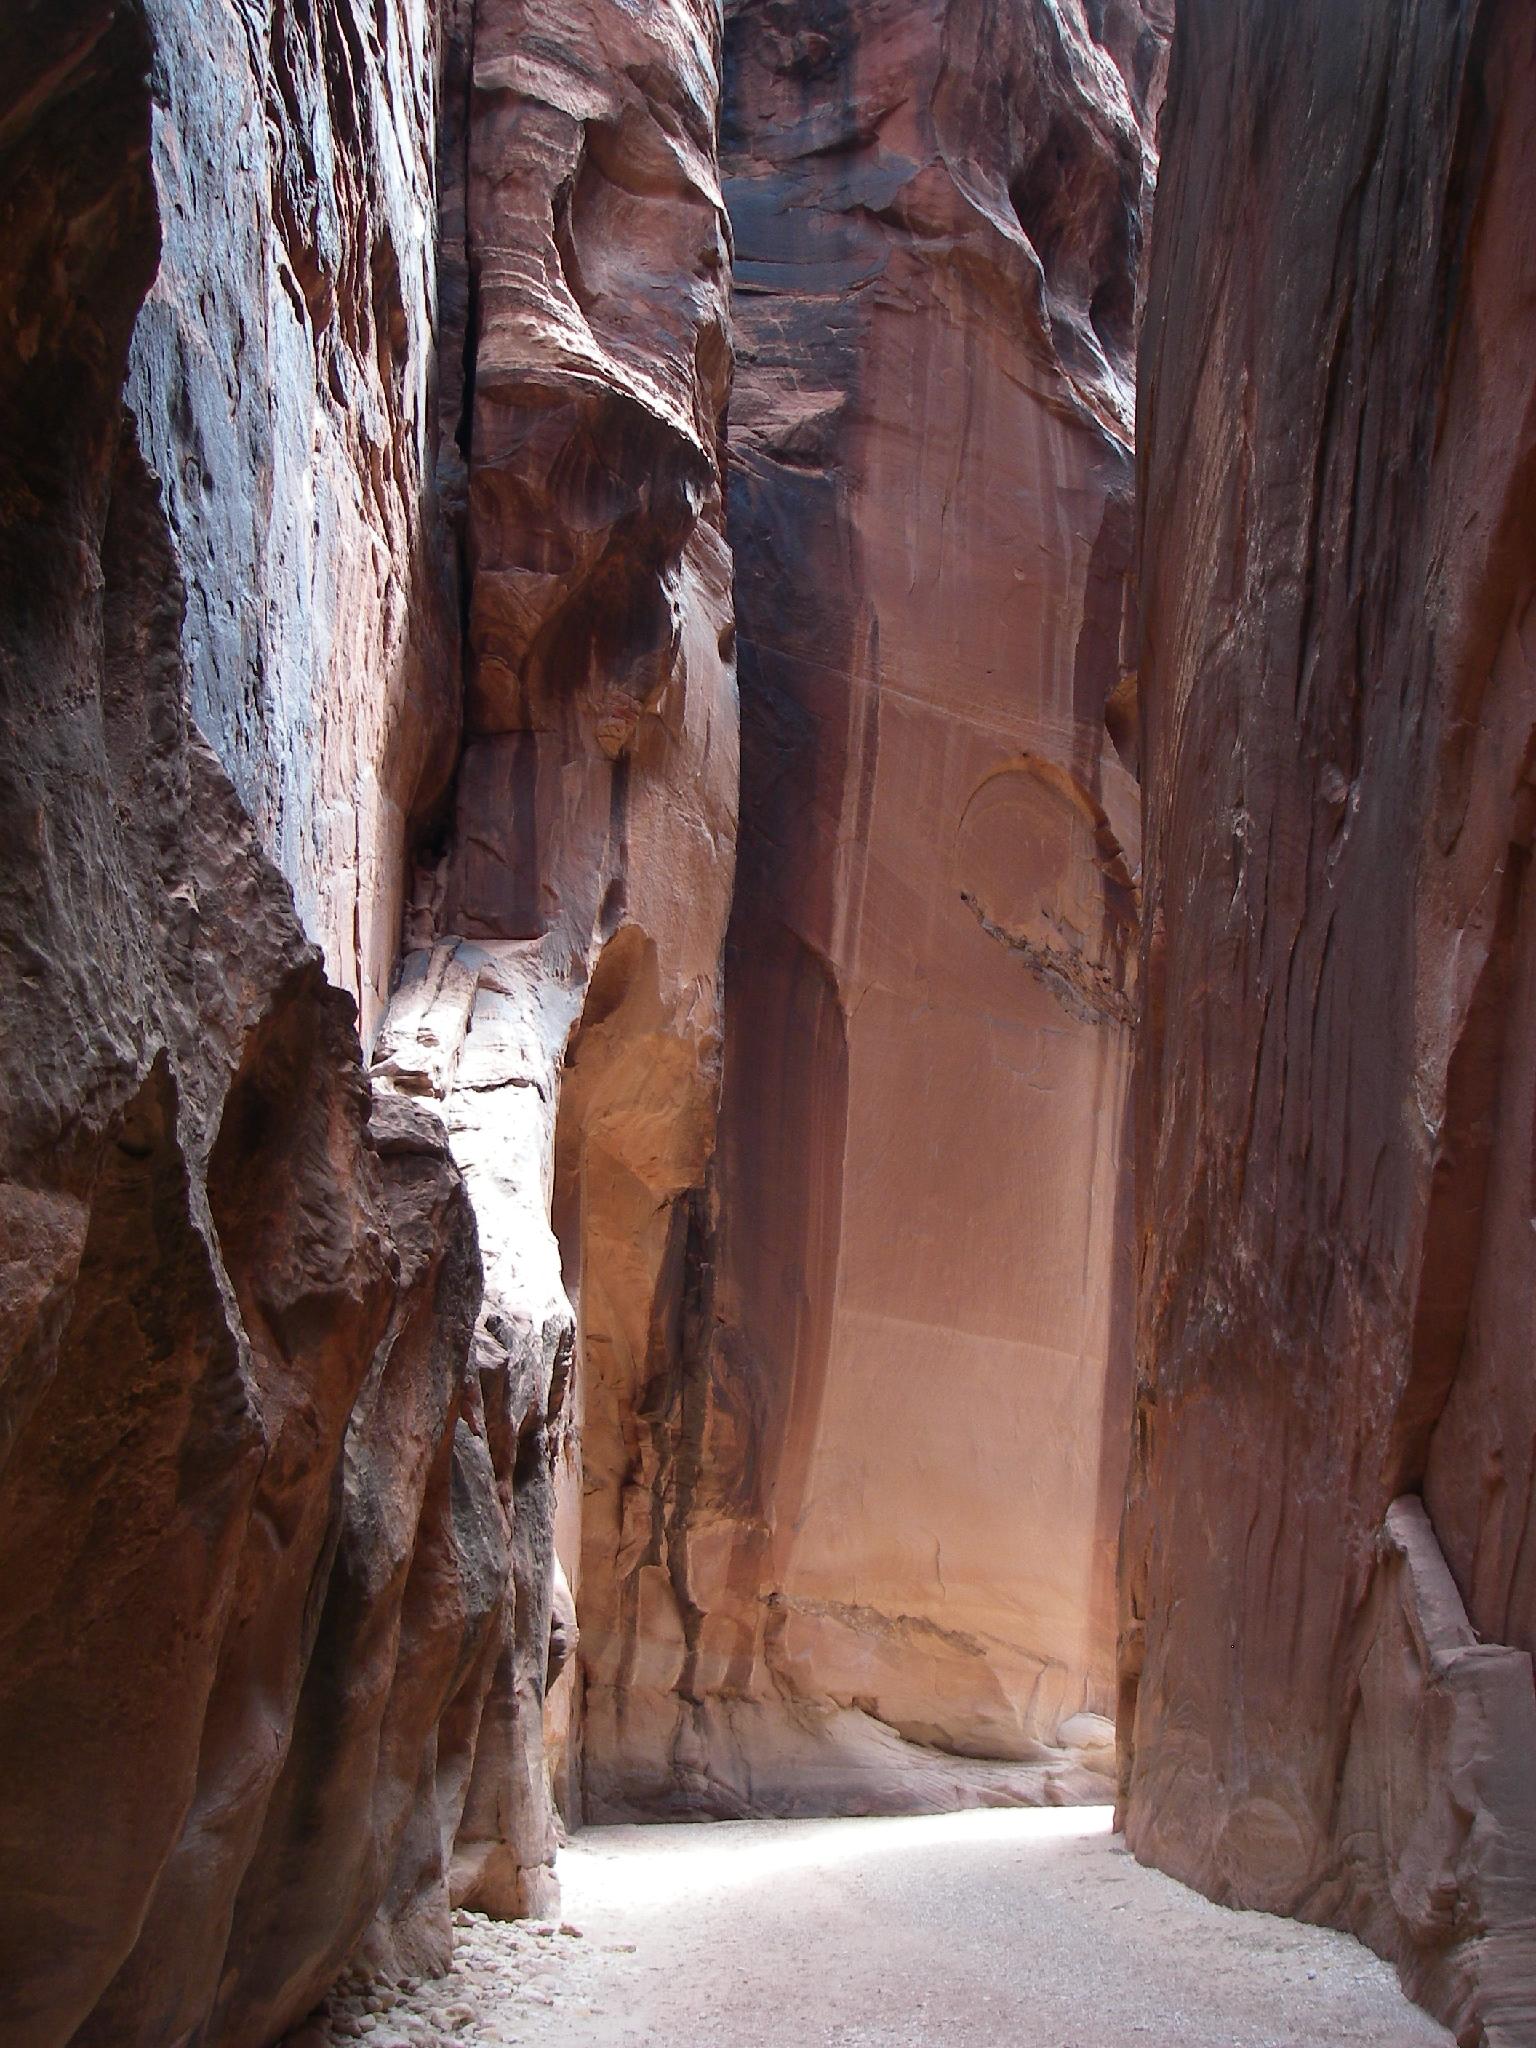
768,1180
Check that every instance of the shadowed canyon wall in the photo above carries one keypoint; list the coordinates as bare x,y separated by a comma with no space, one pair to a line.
1329,1608
253,1554
561,992
276,1559
367,590
280,1473
281,379
878,1544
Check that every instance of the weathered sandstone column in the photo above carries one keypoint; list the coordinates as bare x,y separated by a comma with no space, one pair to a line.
1329,1600
879,1541
561,1000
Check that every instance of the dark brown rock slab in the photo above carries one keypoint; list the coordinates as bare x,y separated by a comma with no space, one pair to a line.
253,1556
1325,1604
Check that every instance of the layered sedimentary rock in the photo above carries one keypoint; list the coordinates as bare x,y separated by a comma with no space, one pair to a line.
875,1540
1329,1609
254,1546
561,995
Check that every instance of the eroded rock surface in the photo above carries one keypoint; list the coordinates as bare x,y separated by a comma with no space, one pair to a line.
1329,1610
253,1556
283,382
561,998
277,1533
364,578
877,1542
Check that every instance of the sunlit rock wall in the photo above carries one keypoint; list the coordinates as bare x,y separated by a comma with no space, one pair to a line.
879,1544
1329,1600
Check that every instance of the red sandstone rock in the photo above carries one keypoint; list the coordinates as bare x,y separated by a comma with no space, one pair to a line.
827,1429
282,377
348,1540
1328,1608
252,1557
875,1517
560,997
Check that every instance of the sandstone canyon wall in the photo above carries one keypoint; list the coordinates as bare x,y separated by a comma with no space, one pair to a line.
1329,1611
259,1513
561,993
281,379
875,1540
250,1547
369,666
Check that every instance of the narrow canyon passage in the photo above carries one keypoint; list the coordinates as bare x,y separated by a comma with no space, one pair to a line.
768,1001
1026,1926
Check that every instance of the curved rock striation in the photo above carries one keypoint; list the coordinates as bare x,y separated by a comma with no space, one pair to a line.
561,992
1328,1607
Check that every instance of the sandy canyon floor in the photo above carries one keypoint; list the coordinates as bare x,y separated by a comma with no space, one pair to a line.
1034,1929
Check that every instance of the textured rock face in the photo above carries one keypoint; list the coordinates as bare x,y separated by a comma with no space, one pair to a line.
280,1483
254,1554
282,383
880,1520
561,997
1329,1612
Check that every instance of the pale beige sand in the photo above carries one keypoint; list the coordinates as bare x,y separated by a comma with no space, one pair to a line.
1030,1928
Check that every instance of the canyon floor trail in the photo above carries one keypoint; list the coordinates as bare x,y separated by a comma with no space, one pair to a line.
1033,1929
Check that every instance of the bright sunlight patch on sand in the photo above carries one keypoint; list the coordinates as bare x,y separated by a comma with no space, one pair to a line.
658,1867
